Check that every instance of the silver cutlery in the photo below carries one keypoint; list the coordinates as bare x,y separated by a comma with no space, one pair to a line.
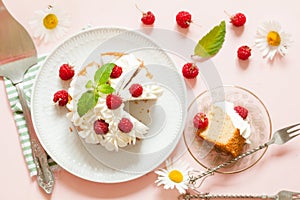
282,195
17,55
280,137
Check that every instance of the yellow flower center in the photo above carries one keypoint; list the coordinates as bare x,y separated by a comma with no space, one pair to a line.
50,21
175,176
273,38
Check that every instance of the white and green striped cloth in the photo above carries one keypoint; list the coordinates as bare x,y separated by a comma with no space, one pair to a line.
18,115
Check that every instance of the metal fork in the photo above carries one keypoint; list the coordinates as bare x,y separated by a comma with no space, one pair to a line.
280,137
17,54
282,195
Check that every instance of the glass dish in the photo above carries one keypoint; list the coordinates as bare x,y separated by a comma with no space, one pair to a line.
258,116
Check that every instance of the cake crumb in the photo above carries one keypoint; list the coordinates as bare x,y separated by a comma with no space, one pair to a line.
116,54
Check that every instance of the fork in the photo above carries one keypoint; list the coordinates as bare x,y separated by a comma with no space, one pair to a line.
17,55
280,137
282,195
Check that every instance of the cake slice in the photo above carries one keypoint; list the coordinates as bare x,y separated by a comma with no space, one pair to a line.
103,123
222,133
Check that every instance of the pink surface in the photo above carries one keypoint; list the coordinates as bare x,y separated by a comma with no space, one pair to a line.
276,83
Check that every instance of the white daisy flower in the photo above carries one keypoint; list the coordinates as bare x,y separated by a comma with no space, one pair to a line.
49,24
270,40
174,176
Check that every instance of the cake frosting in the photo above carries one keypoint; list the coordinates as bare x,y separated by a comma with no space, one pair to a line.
237,120
114,138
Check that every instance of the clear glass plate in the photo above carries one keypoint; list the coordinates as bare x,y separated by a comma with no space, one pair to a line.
205,153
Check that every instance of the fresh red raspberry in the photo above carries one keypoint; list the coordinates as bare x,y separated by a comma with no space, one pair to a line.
66,72
125,125
100,127
238,19
116,72
243,112
148,18
244,52
62,97
200,121
190,70
136,90
184,19
113,101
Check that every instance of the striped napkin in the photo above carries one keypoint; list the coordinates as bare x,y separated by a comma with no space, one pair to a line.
19,117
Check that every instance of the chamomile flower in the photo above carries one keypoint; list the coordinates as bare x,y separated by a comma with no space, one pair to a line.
174,176
49,24
270,40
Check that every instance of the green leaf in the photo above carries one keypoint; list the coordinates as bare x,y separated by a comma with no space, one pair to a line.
103,73
86,102
105,89
212,42
89,84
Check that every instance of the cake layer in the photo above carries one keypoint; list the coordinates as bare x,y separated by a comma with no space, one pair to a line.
222,132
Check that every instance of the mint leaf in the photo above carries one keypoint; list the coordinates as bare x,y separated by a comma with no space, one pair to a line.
89,84
105,89
103,73
86,102
212,42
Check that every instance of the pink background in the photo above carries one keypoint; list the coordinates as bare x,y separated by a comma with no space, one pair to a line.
276,83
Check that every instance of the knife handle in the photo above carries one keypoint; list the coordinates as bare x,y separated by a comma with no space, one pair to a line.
45,176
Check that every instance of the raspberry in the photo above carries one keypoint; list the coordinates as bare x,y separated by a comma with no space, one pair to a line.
244,52
238,19
190,70
200,120
184,19
136,90
62,97
113,101
100,127
148,18
66,72
125,125
116,72
243,112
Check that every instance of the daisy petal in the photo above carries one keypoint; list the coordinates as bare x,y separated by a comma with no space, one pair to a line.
272,53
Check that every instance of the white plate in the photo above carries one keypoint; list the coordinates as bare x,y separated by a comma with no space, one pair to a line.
57,134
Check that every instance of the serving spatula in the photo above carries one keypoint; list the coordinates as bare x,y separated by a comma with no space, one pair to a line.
17,55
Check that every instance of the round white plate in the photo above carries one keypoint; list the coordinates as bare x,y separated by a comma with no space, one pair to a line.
57,134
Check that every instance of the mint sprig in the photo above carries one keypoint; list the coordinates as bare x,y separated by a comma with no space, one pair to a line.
105,89
212,42
103,73
89,99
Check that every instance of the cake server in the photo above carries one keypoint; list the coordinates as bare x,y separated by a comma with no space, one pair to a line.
17,55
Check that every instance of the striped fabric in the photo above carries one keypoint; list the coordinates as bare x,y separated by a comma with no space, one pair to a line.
19,118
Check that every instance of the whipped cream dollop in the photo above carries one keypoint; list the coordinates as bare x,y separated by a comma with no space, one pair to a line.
237,120
115,138
129,64
150,91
